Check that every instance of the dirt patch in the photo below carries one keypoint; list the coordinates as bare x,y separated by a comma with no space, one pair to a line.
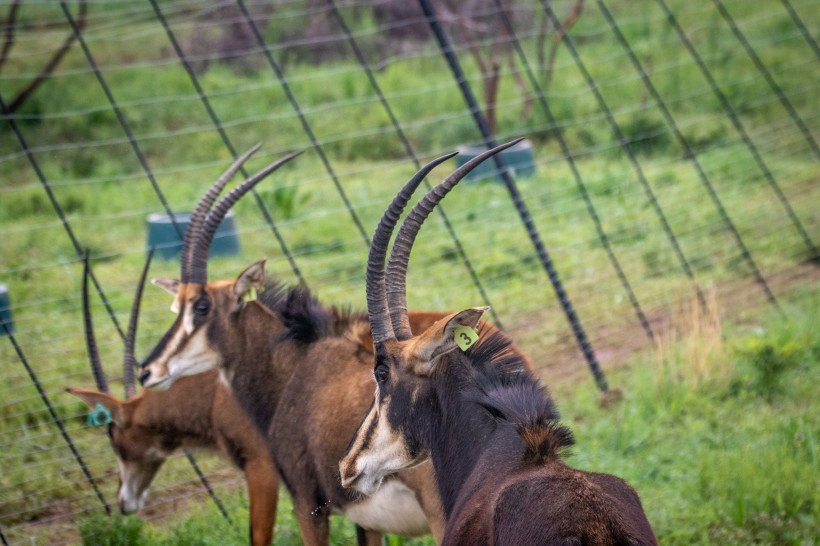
619,341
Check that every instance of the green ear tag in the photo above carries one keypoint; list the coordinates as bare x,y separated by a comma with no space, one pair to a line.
464,337
99,417
250,295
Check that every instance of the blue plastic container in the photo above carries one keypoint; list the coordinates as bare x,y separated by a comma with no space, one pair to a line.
5,310
163,236
518,159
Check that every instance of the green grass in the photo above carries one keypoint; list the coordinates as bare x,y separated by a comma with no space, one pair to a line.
715,459
106,197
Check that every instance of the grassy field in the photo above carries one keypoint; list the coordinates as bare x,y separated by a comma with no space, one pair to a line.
99,184
717,430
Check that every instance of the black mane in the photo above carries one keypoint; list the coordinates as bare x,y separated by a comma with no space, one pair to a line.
305,318
505,388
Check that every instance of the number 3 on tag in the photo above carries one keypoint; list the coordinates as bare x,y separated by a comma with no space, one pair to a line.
465,337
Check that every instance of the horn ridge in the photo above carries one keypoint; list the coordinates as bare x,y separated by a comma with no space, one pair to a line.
377,311
129,359
400,255
90,339
199,256
203,206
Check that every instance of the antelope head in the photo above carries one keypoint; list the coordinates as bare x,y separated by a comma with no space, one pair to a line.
209,314
140,453
388,438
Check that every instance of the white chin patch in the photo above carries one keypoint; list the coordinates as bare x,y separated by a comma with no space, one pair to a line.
392,508
130,505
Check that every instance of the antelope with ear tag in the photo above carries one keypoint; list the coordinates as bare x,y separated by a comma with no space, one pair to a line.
485,423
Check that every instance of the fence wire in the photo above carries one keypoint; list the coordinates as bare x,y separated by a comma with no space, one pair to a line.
673,153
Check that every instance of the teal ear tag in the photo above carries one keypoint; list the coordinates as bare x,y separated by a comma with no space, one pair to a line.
250,295
465,337
99,417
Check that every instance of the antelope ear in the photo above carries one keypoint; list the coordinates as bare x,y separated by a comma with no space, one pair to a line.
91,397
250,280
169,285
172,287
439,339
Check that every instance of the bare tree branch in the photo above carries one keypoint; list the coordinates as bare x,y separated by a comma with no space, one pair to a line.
559,34
8,42
27,91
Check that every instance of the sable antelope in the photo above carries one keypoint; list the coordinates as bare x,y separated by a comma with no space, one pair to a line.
303,372
488,427
197,411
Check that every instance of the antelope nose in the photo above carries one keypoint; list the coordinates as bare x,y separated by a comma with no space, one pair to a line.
144,375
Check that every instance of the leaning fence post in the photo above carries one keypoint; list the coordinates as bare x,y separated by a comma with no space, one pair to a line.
520,206
412,154
579,181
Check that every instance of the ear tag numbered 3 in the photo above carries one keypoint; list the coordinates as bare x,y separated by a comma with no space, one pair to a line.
250,295
465,337
99,417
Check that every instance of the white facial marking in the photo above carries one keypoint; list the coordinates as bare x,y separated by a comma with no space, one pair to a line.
196,356
135,477
130,497
386,454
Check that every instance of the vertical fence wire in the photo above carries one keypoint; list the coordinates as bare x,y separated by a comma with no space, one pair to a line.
784,100
412,155
690,153
280,75
732,115
626,145
56,418
798,22
224,136
520,206
579,181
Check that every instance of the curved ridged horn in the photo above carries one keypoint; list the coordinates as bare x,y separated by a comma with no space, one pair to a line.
400,255
200,212
129,360
374,286
90,340
199,257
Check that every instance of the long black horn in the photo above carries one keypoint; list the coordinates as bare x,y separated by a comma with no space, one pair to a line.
129,360
90,340
374,285
199,258
400,255
200,212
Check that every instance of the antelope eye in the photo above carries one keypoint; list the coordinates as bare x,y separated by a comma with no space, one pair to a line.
381,373
202,306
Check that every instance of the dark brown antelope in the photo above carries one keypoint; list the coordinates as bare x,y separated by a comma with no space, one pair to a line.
488,426
197,411
303,372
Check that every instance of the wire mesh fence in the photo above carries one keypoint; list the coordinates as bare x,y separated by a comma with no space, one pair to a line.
673,147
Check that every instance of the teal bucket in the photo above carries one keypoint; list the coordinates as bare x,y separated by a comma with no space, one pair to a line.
518,159
5,311
162,235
